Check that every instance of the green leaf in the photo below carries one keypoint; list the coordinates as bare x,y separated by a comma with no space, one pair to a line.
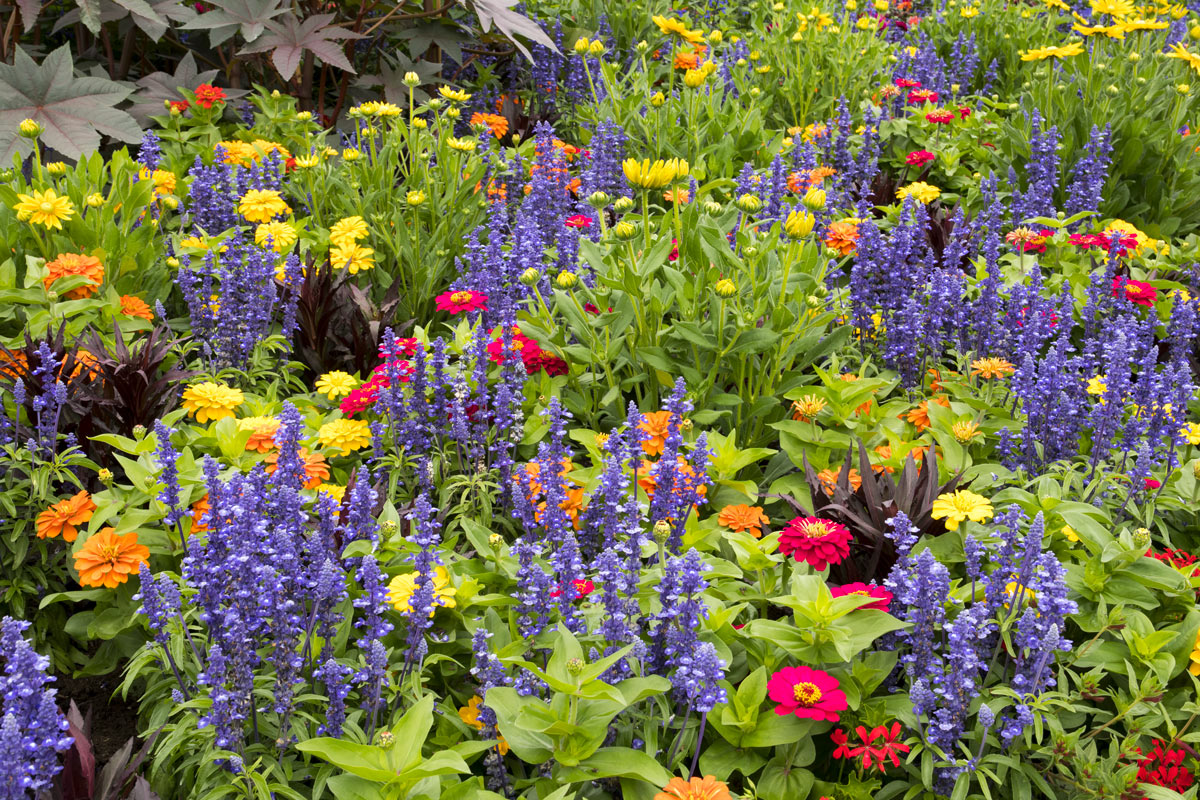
613,762
365,761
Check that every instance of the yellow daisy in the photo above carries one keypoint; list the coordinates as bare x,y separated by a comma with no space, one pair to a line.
44,208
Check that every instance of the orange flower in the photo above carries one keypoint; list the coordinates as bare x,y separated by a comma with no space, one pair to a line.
991,367
742,517
885,452
316,469
804,180
107,559
262,436
677,195
132,306
706,788
843,236
648,482
685,60
919,416
496,123
200,509
84,360
71,264
829,479
12,363
64,517
656,424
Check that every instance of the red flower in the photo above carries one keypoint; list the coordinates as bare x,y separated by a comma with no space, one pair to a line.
964,111
207,95
886,749
1165,768
843,748
290,164
1143,294
582,588
460,301
552,364
402,347
922,96
940,117
1152,484
579,221
180,105
1122,245
882,596
363,397
905,83
818,542
919,158
807,693
674,251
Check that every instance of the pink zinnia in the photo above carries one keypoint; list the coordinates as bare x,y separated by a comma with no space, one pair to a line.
905,83
919,158
579,221
807,693
1143,294
940,117
818,542
460,301
882,596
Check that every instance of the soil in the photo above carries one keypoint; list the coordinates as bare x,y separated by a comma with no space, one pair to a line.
113,720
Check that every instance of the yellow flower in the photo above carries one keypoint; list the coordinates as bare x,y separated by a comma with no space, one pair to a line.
262,205
336,384
281,234
1096,385
957,507
1194,667
653,175
346,435
44,208
967,12
1181,52
353,257
799,224
924,192
462,145
675,27
1111,31
1114,8
347,231
1191,432
196,243
402,587
333,490
808,407
454,95
991,367
307,162
211,401
964,432
1041,53
1069,533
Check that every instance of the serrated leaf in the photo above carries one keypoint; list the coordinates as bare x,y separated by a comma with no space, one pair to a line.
509,23
74,110
247,17
289,39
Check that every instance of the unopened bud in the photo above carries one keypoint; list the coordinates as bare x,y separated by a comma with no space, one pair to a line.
814,199
596,48
30,129
623,204
712,207
386,739
599,200
415,198
1141,538
412,79
581,45
566,280
575,666
105,476
495,540
530,276
749,204
139,431
725,288
662,530
657,99
799,224
624,230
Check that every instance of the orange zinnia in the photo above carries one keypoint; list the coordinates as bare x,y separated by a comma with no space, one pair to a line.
808,178
649,483
64,517
13,363
656,424
829,479
843,237
71,264
706,788
919,416
316,469
107,559
684,60
742,517
262,433
494,122
132,306
200,510
992,367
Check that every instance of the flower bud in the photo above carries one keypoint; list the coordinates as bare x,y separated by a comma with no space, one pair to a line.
799,224
581,45
715,36
596,48
30,129
643,47
386,739
139,431
56,168
813,302
575,666
173,262
171,202
749,204
624,230
1141,538
453,113
598,200
350,154
724,288
662,530
388,526
412,79
694,78
420,123
1135,56
415,198
495,540
105,476
750,251
566,280
530,276
657,99
623,204
1183,88
712,207
304,116
52,295
755,91
94,200
814,199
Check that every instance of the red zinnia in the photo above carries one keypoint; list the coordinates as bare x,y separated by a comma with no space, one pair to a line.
882,596
919,158
1152,484
582,588
1143,294
180,105
940,117
807,693
918,96
885,750
905,83
207,95
818,542
964,111
579,221
460,301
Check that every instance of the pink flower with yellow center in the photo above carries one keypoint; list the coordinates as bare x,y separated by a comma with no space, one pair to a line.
807,693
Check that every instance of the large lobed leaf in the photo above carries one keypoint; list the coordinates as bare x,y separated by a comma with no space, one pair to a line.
510,23
247,17
75,110
289,38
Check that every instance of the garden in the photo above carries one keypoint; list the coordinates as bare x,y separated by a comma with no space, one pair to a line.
569,400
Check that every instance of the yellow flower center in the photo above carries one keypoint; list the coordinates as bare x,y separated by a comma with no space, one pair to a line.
109,552
815,530
47,207
807,694
461,297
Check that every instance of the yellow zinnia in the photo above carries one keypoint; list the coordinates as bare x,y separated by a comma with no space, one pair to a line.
923,192
347,231
336,384
262,205
402,587
352,257
281,234
346,435
957,507
44,208
211,401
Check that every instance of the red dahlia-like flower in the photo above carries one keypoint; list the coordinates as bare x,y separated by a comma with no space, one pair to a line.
919,158
882,596
1143,294
460,301
207,95
879,746
818,542
807,693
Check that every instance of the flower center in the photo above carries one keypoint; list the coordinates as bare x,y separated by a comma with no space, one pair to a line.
461,297
806,694
46,207
110,553
814,530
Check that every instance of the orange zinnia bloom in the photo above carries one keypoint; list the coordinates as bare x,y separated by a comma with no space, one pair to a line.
684,60
84,360
992,367
806,179
262,436
706,788
919,416
843,237
316,469
648,482
829,479
656,424
70,264
496,123
742,517
64,517
108,559
200,509
12,363
132,306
